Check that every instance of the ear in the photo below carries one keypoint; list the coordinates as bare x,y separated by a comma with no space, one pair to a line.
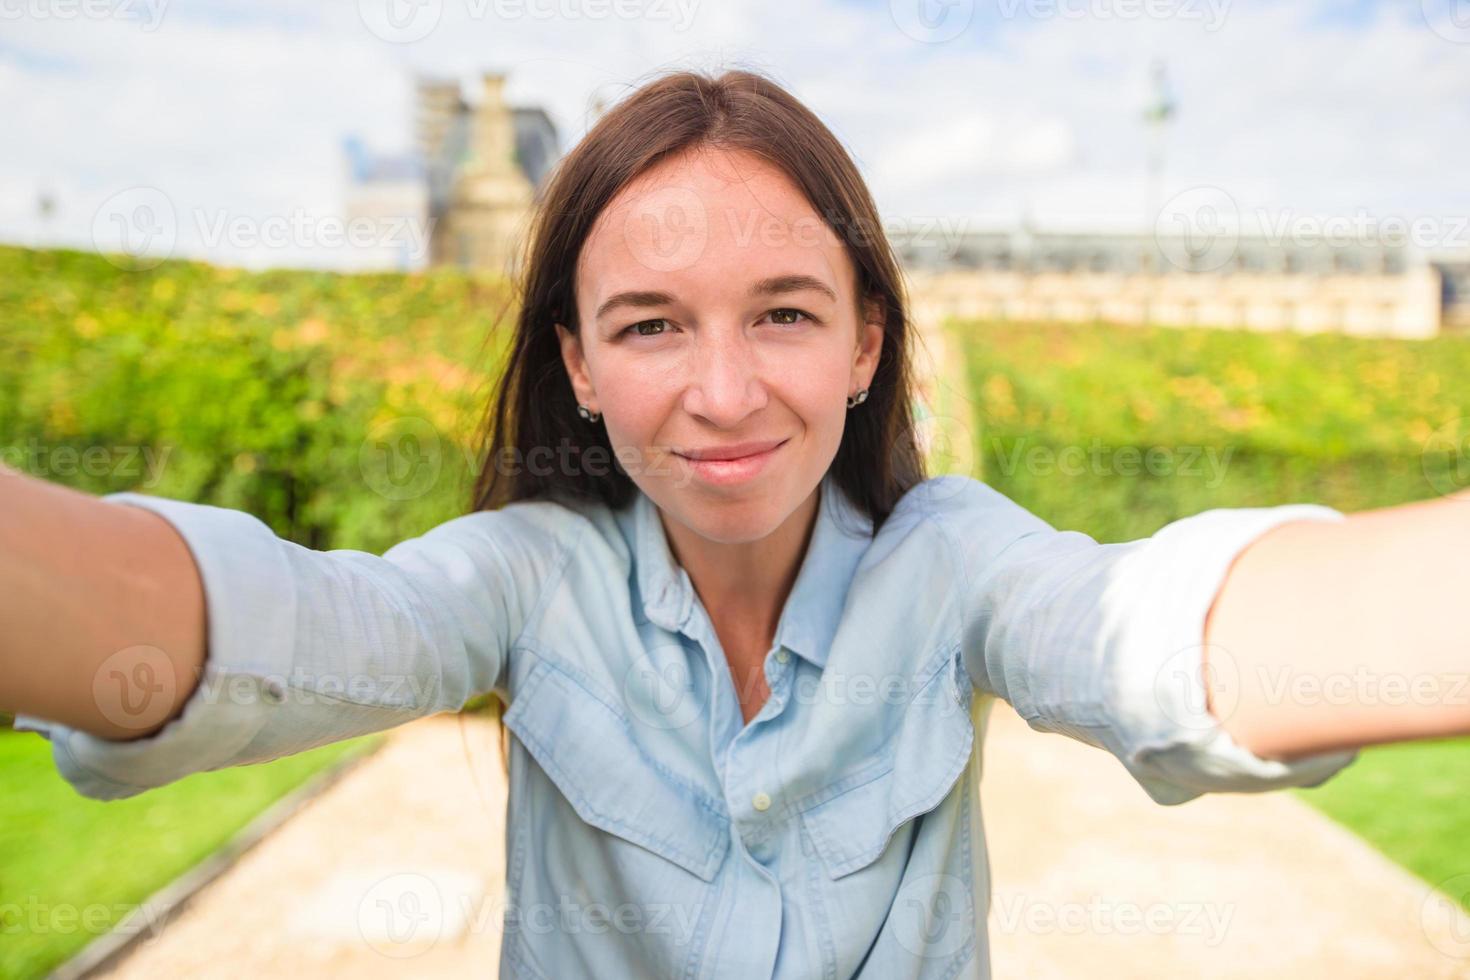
576,365
870,342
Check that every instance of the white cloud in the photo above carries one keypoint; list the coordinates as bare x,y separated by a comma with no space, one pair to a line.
240,107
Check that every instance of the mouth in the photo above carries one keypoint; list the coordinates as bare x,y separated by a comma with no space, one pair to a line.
740,450
725,465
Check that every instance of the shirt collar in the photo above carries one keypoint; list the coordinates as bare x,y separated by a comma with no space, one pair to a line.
813,609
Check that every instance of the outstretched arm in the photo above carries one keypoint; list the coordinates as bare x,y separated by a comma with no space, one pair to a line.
1335,635
87,589
305,647
1104,642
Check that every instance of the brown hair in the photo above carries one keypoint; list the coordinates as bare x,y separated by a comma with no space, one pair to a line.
878,458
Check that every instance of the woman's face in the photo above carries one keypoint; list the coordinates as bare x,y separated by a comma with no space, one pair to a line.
719,313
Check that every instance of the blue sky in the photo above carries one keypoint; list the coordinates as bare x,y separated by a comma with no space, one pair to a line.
973,110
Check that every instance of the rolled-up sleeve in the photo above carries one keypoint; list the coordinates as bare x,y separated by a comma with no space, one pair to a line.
1105,642
307,647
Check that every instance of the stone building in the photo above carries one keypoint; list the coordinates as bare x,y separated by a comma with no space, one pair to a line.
484,164
1244,280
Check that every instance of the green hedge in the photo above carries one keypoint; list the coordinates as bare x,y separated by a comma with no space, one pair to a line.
1066,417
336,408
339,408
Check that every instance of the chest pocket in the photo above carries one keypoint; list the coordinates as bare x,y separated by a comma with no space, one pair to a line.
852,821
588,748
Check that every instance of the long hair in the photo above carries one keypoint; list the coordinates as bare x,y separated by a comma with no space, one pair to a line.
878,459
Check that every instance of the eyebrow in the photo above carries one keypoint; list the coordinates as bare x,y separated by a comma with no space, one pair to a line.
770,286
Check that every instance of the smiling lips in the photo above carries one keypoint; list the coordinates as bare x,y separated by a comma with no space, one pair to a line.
730,464
736,451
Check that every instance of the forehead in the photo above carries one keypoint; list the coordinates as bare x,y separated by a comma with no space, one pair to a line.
705,225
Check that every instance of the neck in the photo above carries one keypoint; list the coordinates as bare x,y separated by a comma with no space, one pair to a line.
746,582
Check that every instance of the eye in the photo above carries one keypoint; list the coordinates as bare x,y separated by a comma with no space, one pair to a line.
632,328
791,323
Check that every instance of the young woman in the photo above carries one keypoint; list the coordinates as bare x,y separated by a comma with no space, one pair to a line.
746,645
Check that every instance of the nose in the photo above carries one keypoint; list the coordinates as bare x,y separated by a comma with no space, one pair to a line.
724,377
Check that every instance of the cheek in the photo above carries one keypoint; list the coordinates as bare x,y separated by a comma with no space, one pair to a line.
635,400
816,387
827,419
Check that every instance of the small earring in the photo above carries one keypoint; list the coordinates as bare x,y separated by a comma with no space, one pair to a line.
590,416
855,400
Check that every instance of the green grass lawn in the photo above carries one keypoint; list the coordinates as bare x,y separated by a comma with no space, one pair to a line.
71,868
1408,800
1354,423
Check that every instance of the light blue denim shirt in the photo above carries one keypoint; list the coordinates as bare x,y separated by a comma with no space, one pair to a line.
651,832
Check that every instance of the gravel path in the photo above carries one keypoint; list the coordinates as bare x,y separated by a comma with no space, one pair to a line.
1091,878
408,846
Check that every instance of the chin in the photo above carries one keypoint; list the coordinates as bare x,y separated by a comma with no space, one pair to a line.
750,516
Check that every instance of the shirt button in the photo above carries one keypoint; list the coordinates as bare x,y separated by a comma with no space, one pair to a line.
782,655
761,801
